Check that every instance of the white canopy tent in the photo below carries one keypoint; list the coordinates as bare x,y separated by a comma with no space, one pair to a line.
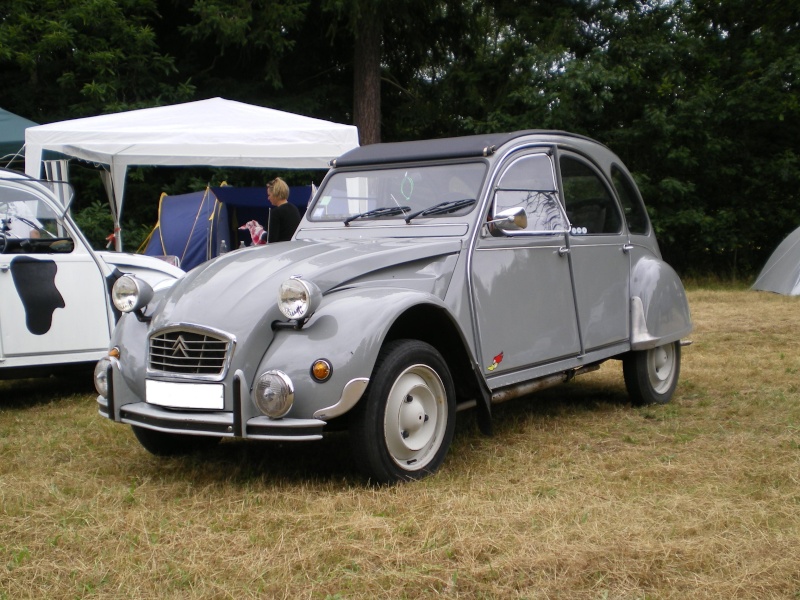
215,132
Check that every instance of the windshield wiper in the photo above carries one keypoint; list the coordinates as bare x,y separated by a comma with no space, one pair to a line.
33,225
442,207
386,211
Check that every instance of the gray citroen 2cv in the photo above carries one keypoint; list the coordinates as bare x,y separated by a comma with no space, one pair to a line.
426,277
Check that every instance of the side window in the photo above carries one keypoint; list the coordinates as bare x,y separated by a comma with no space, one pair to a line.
632,206
590,207
529,182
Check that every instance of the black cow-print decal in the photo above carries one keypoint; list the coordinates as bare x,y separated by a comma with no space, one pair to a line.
35,281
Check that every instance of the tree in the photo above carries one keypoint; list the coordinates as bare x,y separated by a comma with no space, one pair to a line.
698,97
69,58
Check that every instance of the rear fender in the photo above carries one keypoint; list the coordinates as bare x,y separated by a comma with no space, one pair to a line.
659,308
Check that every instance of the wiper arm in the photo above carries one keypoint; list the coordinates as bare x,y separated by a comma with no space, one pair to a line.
386,211
441,208
33,225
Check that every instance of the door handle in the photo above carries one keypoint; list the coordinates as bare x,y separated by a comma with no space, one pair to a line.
563,251
627,248
4,267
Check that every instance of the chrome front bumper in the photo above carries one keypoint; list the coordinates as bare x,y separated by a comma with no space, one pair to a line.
124,406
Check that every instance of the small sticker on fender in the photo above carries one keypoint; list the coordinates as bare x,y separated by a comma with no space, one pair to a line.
495,361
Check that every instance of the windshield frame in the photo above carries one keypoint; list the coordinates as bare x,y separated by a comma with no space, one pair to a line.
398,184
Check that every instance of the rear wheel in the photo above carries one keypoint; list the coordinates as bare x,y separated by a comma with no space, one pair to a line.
161,443
652,375
403,426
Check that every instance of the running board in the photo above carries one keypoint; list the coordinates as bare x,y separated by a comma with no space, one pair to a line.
529,387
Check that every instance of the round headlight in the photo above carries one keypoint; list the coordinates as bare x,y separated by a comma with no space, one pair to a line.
273,394
298,298
101,376
129,293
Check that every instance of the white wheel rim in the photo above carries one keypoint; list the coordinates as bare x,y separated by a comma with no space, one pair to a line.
661,367
416,417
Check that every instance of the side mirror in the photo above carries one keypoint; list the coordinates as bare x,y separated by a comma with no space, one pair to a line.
510,219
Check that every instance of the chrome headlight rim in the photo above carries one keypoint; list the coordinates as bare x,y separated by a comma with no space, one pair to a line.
298,298
101,376
273,394
130,294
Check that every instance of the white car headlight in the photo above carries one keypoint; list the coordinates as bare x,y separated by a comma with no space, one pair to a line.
101,376
273,394
298,298
129,293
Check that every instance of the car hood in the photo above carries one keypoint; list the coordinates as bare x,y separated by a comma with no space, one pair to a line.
149,268
237,292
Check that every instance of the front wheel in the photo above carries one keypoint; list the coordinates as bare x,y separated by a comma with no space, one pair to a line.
162,443
403,426
652,375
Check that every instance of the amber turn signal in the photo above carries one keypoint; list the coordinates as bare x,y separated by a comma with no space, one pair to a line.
321,370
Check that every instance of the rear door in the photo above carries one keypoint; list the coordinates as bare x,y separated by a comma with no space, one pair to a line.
599,253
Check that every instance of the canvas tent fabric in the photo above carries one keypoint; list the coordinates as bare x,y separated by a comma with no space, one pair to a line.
193,226
189,226
12,133
215,132
781,273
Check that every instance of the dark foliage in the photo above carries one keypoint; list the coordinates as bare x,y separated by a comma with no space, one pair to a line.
698,97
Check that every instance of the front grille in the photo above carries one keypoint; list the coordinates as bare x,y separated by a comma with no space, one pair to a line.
180,352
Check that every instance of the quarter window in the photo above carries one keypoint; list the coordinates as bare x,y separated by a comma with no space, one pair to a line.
635,214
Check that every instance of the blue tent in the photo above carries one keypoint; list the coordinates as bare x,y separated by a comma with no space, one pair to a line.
195,227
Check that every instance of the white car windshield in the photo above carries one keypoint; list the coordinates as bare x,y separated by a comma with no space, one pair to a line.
402,193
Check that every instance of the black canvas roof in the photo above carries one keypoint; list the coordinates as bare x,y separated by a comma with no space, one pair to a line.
457,147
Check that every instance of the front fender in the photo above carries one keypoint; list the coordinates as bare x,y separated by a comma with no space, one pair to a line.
148,268
659,308
348,331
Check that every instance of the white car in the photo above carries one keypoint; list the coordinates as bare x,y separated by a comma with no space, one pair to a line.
55,311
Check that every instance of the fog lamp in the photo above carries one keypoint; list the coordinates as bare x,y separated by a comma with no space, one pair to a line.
101,376
129,293
273,394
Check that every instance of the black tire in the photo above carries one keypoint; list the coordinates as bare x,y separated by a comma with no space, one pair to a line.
403,425
651,376
172,444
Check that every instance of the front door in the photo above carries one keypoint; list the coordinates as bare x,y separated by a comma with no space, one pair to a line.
53,304
521,287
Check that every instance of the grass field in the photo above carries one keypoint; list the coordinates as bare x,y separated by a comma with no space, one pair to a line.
577,495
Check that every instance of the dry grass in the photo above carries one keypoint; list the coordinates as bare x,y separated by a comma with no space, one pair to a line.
578,495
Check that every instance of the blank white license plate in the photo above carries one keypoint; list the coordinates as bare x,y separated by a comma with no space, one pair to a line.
209,396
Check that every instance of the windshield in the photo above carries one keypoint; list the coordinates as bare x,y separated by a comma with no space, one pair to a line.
397,193
23,214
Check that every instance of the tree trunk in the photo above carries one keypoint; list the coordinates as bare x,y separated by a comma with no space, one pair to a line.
367,78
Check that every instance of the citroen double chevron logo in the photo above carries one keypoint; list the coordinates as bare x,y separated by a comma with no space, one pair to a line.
179,348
